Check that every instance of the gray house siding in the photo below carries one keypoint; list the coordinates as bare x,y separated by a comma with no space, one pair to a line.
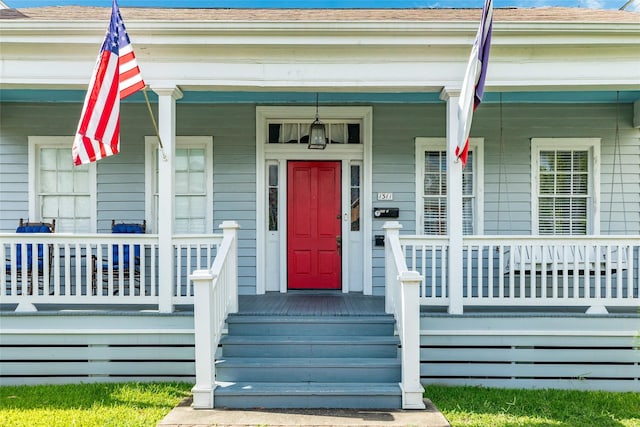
234,173
508,160
507,168
395,127
121,178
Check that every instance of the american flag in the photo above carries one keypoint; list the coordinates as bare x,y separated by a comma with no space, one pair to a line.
116,76
473,84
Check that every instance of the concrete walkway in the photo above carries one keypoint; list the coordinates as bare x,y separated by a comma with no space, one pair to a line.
184,415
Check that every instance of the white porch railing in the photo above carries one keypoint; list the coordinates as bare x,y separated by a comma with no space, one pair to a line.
402,300
97,269
577,271
216,295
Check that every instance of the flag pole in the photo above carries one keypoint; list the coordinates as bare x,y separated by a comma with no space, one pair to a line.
155,125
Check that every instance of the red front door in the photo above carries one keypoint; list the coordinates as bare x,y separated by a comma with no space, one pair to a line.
314,225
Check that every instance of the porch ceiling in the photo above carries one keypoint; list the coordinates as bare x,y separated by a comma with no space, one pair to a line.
305,98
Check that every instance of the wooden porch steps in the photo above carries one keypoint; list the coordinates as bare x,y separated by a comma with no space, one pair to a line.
279,361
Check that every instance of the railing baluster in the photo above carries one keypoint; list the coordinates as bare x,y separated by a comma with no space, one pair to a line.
444,261
596,273
491,283
434,272
522,275
467,278
423,260
619,293
500,272
154,270
630,270
67,269
512,271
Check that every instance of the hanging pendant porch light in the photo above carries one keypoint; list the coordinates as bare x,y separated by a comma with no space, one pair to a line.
317,133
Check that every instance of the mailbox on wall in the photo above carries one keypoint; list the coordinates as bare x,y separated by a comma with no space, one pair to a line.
386,212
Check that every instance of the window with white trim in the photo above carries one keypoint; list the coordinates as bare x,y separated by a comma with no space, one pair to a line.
60,190
193,184
431,187
564,185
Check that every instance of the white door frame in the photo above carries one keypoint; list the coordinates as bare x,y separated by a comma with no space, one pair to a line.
284,152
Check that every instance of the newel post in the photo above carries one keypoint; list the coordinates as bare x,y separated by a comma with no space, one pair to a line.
412,390
391,230
230,230
203,336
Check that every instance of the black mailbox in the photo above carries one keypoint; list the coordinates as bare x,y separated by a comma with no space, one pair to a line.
386,212
379,239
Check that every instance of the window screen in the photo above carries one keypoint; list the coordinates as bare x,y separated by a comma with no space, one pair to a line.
563,192
435,194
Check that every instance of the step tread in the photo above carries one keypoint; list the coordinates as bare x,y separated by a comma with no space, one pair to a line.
250,318
301,340
311,362
307,388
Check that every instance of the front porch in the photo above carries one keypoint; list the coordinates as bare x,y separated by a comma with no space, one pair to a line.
547,281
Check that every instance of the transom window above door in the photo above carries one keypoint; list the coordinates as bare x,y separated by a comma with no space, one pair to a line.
297,132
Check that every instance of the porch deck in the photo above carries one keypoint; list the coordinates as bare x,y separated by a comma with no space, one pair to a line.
297,303
311,303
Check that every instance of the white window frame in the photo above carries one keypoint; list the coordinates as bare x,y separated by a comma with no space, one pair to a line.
592,145
35,144
151,144
476,145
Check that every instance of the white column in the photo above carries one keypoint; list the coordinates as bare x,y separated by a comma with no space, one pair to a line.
454,203
166,167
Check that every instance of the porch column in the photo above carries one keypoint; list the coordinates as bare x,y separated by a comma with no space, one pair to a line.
167,128
454,202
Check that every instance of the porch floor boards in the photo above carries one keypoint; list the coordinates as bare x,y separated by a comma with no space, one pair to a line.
311,303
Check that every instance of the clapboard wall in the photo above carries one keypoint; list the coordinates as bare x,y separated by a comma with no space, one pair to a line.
532,350
525,350
507,130
82,347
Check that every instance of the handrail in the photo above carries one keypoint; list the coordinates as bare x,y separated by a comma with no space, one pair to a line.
215,297
402,300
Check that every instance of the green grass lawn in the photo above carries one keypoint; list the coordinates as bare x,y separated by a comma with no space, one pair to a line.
89,405
139,404
484,407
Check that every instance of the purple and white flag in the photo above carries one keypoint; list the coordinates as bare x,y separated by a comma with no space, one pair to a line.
473,84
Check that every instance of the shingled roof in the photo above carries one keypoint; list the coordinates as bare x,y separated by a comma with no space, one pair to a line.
546,14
